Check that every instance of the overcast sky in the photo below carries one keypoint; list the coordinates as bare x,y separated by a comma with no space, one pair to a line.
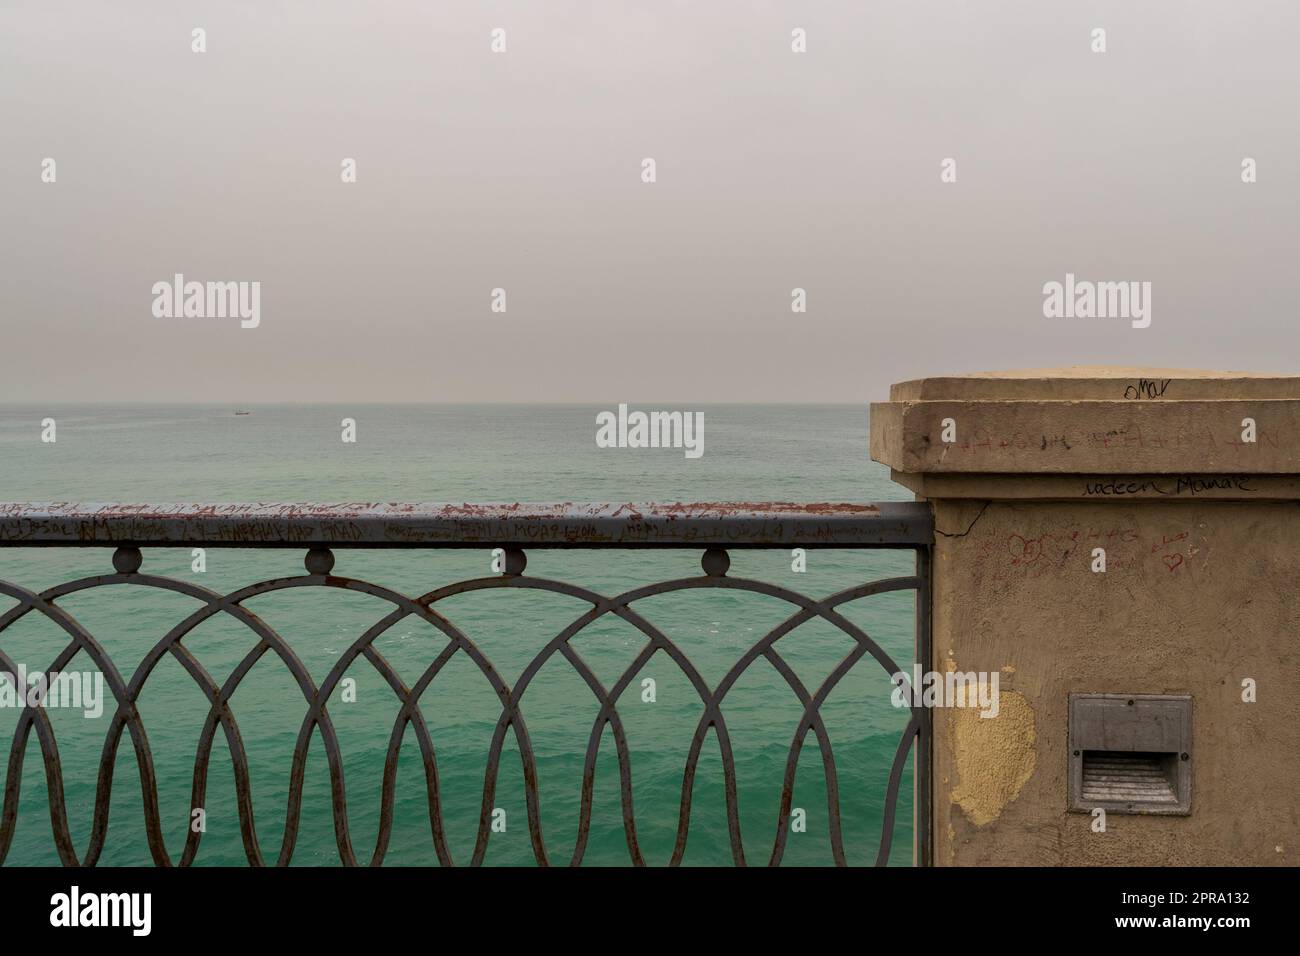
522,171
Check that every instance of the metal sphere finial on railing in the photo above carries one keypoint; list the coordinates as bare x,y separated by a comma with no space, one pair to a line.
515,561
319,561
715,562
127,560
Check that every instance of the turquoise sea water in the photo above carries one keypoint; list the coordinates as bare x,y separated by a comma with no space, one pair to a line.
463,453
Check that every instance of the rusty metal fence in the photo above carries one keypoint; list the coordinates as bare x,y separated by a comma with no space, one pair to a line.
712,529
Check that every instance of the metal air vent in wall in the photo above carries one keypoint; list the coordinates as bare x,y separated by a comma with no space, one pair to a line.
1130,753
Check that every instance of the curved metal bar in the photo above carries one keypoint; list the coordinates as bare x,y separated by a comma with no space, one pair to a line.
53,774
126,715
891,791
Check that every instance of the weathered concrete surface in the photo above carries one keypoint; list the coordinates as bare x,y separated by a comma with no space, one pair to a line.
1094,438
1097,382
1199,595
1187,487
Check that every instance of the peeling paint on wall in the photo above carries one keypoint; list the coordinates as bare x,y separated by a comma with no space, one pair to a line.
994,757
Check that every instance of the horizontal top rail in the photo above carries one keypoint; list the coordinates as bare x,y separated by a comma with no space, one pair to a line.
436,524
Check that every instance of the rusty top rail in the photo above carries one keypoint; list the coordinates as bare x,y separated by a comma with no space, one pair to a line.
435,524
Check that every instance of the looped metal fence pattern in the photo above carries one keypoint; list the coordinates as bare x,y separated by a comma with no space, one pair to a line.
319,562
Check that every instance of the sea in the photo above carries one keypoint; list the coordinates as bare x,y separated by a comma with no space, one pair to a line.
460,453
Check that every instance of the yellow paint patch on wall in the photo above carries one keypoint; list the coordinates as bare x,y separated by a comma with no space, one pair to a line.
994,756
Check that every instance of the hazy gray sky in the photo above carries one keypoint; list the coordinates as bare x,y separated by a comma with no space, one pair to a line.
522,170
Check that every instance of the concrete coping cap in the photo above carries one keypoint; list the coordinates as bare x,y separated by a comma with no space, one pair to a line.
1098,383
1092,422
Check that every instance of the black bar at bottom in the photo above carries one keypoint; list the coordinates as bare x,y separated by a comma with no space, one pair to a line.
898,909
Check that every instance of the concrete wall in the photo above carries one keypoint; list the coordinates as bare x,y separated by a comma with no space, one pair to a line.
1201,591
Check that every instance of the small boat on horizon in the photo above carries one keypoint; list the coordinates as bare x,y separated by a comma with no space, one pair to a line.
240,411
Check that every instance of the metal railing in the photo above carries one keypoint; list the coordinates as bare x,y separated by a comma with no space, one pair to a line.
319,528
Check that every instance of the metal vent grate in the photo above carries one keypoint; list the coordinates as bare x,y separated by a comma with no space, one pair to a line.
1146,778
1130,753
